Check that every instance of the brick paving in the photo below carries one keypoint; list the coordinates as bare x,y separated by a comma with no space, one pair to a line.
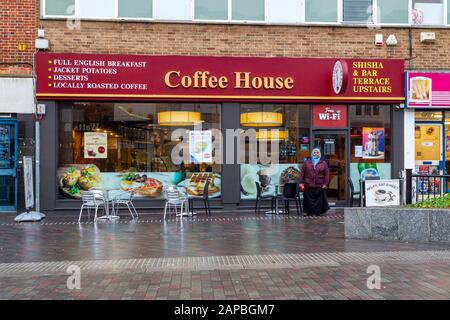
58,240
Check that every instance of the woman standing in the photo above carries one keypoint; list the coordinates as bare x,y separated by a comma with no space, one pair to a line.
314,179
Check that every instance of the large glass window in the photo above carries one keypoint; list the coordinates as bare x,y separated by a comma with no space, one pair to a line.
135,146
59,7
277,139
321,11
173,9
370,142
448,11
427,12
284,11
135,9
358,11
97,9
249,10
393,11
211,9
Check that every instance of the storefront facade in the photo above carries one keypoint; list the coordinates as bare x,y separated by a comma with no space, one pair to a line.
428,98
116,121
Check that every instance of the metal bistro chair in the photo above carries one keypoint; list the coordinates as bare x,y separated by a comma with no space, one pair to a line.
204,197
260,197
352,191
91,200
291,192
175,200
125,199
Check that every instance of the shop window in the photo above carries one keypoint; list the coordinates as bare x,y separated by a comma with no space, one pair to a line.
276,131
173,9
249,10
284,11
135,8
59,7
393,11
211,9
448,11
427,12
130,146
358,11
370,142
321,11
97,9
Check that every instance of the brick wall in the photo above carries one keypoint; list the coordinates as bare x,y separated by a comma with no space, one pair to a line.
18,23
238,40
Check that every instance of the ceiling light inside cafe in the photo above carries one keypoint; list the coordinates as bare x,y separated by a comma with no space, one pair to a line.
179,118
261,119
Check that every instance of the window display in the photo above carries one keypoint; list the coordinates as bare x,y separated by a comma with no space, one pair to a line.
128,147
288,126
370,148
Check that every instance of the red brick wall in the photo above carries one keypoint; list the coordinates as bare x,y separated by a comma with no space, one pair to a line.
18,23
238,40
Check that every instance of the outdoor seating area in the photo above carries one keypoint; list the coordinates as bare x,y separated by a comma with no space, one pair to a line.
96,199
290,192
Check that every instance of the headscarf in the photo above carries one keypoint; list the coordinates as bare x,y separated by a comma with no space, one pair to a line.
315,159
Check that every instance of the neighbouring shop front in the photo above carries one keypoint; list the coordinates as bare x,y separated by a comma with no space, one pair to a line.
16,137
120,121
428,94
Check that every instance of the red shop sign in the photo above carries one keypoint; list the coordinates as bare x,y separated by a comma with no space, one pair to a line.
77,76
329,116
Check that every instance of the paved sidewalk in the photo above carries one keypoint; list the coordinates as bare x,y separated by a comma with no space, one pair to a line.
226,256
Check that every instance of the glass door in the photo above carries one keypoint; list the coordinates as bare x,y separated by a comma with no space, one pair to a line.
8,165
333,146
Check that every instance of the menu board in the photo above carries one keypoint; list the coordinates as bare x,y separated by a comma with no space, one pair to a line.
5,156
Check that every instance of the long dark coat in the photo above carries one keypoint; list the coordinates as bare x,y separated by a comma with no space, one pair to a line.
315,177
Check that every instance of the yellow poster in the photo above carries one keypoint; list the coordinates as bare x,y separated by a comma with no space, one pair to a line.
428,143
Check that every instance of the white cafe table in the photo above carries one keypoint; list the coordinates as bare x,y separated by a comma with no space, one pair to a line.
108,215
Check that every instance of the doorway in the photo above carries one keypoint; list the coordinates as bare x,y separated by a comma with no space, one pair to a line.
8,165
333,145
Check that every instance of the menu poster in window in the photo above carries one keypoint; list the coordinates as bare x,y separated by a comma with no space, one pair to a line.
95,145
447,144
373,143
200,146
358,151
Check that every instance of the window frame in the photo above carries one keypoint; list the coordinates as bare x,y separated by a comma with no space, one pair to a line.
340,13
230,15
76,14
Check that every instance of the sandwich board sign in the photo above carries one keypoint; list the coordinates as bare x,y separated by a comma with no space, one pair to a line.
29,216
382,193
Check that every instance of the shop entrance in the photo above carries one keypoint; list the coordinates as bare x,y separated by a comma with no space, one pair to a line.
8,165
333,145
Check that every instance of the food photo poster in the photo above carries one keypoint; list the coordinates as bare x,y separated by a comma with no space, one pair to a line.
270,178
75,178
373,143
